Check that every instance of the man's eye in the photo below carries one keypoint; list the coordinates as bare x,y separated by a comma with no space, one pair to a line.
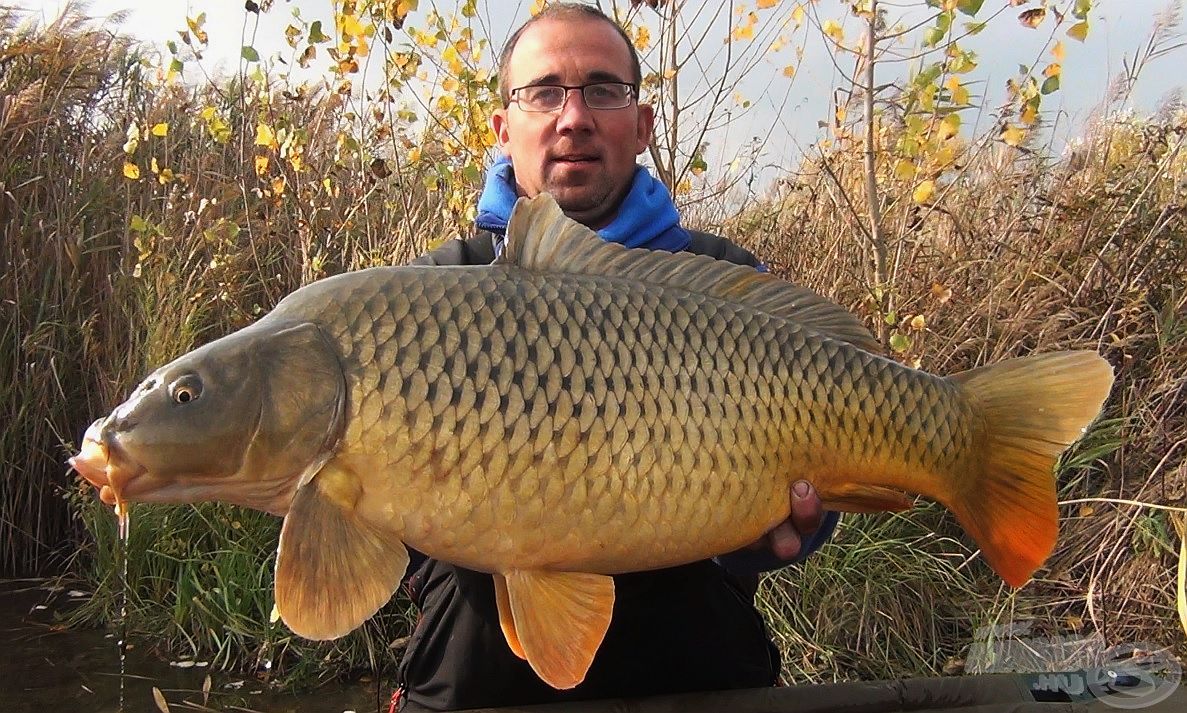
607,91
544,95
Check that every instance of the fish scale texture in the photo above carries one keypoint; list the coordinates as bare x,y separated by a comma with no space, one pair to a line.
578,422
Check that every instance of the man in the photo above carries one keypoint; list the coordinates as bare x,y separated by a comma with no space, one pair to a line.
571,126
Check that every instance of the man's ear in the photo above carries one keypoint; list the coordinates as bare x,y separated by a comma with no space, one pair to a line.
498,124
645,127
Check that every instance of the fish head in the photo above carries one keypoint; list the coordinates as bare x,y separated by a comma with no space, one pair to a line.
241,420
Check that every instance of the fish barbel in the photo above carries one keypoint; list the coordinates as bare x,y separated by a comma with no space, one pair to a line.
575,410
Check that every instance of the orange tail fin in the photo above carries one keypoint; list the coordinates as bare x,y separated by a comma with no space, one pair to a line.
1032,408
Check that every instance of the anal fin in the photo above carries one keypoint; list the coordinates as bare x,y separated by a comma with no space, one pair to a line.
506,620
334,570
861,497
560,619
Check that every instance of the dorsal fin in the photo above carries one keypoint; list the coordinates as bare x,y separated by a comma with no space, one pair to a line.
541,238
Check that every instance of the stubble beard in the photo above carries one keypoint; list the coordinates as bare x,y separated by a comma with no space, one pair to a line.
592,203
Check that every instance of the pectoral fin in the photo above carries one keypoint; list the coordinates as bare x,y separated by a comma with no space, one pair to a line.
333,569
860,497
559,619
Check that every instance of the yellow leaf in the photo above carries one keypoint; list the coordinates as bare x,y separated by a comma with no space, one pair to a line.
767,4
945,156
261,164
1057,51
1078,31
918,322
789,71
264,135
1053,70
797,15
950,126
960,95
1013,135
166,176
349,22
1181,588
453,58
1030,114
642,38
278,184
131,171
160,129
275,615
414,154
153,165
940,292
924,191
904,170
833,29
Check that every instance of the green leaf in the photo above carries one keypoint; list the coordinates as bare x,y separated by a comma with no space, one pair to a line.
969,7
1051,84
1080,11
974,28
900,342
932,36
176,65
249,53
138,224
315,33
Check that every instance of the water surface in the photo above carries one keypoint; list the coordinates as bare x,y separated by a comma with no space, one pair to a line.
44,667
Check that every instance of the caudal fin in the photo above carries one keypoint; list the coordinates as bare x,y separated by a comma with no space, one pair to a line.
1032,408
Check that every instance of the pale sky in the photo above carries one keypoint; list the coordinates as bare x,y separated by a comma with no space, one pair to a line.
786,109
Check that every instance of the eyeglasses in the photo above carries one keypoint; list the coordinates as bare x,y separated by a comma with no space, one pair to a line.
550,97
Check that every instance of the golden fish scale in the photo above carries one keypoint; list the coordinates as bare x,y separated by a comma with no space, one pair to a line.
585,423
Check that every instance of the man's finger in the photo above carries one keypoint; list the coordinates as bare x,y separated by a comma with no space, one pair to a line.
806,511
784,540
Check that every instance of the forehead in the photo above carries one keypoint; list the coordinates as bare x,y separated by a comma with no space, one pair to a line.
569,49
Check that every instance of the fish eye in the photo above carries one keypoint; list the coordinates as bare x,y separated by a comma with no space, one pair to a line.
186,389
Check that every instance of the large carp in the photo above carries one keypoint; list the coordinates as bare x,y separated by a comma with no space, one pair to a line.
573,411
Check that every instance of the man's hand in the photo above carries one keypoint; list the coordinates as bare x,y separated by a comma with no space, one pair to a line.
786,539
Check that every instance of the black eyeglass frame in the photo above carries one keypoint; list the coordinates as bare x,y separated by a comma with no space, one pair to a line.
632,95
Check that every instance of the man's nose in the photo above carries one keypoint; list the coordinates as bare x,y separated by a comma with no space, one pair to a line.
574,114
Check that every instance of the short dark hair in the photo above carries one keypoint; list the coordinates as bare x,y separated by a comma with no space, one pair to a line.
564,10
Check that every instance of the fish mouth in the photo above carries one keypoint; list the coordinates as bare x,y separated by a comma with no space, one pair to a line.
104,464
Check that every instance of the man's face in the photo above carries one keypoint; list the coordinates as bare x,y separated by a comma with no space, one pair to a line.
584,157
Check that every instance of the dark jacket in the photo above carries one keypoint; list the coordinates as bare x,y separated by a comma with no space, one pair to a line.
686,628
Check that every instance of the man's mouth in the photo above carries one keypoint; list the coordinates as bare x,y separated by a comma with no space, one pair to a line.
576,159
